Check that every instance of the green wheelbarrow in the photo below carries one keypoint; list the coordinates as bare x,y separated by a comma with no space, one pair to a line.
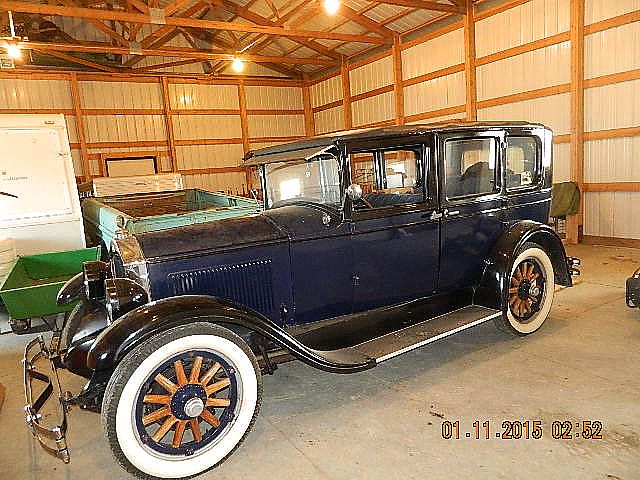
33,283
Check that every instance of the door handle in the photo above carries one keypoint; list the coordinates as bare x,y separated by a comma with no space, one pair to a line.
435,215
451,213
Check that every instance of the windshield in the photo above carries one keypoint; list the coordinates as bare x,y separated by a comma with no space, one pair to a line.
316,180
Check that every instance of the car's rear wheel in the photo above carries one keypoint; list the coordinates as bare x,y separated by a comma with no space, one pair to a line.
530,292
182,402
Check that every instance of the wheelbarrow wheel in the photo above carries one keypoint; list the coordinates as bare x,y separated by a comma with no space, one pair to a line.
20,326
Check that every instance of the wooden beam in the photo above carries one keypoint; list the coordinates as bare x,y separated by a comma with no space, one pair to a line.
611,187
166,65
309,120
470,63
79,120
164,31
346,97
425,5
397,80
244,120
577,111
102,14
119,39
168,119
175,52
349,13
79,61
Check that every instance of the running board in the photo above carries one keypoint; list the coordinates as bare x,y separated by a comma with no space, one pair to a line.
409,338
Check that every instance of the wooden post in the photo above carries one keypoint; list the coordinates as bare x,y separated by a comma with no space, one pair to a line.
168,119
346,96
577,112
397,80
77,108
470,63
309,121
244,121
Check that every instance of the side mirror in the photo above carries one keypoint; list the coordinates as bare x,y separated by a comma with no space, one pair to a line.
354,192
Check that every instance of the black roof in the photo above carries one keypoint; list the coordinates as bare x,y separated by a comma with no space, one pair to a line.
258,156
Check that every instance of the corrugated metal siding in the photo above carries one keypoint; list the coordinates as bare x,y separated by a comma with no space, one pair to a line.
612,51
443,118
124,128
21,93
190,127
217,182
552,111
523,24
561,162
373,109
206,156
435,94
612,160
195,96
532,70
596,10
274,97
328,91
612,106
610,214
120,95
435,54
371,76
275,125
329,120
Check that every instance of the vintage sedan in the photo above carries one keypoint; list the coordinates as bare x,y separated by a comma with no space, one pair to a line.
371,244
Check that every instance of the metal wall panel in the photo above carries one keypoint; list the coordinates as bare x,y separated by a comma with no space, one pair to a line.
329,120
541,68
124,128
442,92
22,93
373,109
612,51
120,95
612,106
525,23
371,76
611,214
561,162
432,55
191,127
217,182
275,125
190,96
553,111
612,160
597,10
207,156
443,118
327,91
274,98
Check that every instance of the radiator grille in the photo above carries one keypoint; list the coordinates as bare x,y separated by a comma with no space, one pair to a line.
246,283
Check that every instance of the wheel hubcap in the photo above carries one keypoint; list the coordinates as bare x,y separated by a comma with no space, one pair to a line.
526,290
194,407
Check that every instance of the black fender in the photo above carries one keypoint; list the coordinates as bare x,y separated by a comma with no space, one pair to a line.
80,330
492,291
139,325
72,290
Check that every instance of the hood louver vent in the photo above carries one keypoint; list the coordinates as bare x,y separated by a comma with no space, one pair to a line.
247,283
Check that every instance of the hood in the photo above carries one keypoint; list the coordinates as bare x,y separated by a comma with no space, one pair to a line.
211,236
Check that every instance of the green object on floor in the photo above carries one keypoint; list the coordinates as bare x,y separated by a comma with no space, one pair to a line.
31,288
565,199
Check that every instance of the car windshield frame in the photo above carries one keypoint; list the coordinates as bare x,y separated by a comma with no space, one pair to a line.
333,188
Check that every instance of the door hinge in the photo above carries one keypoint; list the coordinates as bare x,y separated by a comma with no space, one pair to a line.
356,280
435,215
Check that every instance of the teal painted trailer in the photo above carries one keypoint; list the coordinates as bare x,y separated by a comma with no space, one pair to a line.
149,212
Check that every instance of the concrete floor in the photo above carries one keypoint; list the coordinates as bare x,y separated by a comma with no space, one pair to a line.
386,423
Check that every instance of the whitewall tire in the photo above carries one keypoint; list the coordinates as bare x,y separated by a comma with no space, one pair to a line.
182,402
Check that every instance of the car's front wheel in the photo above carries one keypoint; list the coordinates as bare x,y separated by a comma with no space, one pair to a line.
530,292
182,402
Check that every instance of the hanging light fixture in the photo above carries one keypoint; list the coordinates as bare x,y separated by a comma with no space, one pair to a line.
237,65
331,6
12,43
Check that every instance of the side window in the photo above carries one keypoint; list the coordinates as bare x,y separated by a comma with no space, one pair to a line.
470,167
402,169
363,171
522,162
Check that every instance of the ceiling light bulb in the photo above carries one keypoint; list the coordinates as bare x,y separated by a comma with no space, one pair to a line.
14,51
331,6
237,65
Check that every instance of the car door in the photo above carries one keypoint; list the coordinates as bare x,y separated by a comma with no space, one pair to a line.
395,228
472,205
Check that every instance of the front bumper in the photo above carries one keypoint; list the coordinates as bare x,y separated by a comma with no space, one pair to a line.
633,290
51,439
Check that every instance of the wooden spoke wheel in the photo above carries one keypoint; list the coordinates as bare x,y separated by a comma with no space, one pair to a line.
186,402
180,403
526,289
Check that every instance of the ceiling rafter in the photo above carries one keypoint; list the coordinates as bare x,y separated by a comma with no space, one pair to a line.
166,29
102,14
100,26
351,14
79,61
426,5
